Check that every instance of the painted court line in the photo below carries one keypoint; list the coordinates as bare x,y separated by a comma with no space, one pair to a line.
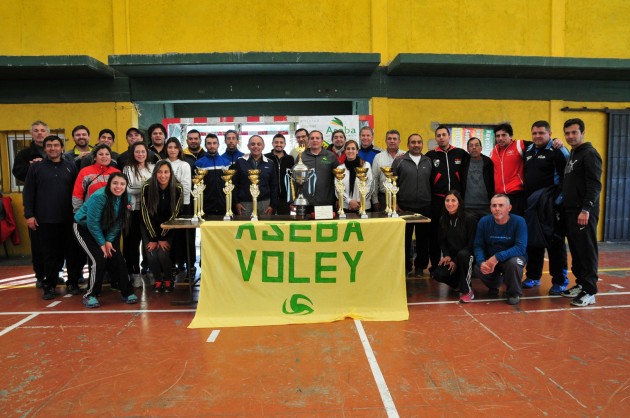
489,330
17,324
213,336
446,302
616,286
98,311
386,397
55,303
559,386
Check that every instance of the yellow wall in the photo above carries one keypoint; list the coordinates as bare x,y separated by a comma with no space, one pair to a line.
580,28
96,116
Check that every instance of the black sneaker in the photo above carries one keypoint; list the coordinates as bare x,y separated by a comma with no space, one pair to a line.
39,283
169,286
49,293
72,289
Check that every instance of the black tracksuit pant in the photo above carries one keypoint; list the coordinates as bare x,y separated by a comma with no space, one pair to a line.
584,251
56,243
115,265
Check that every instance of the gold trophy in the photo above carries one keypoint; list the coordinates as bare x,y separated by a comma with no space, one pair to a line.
339,175
394,190
197,193
253,176
387,171
227,189
362,173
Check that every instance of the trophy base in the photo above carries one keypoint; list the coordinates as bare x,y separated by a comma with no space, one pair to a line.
227,218
254,218
194,219
300,212
364,216
300,201
342,216
394,215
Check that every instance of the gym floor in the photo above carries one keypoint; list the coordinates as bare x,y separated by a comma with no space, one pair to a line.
539,358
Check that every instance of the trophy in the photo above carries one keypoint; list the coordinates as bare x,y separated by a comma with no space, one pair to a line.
197,193
301,175
339,175
227,189
387,172
362,173
394,190
253,176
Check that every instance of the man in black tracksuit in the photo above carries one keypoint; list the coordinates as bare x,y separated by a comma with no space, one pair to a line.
544,167
446,176
48,210
23,161
414,195
283,161
581,189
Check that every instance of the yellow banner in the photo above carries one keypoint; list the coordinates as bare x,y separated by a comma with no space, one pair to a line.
272,273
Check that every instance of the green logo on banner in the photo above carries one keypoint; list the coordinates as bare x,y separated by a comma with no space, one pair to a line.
298,308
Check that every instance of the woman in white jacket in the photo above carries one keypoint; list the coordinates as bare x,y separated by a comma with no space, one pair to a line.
138,170
351,196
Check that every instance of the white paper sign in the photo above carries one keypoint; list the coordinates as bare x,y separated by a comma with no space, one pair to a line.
349,124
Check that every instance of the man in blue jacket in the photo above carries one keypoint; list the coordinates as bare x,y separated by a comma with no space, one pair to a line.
501,249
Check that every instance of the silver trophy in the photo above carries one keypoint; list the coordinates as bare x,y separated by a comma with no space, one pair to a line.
299,176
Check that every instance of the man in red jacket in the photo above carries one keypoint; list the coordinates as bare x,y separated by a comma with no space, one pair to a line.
507,156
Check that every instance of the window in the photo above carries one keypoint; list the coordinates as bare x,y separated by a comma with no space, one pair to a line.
16,142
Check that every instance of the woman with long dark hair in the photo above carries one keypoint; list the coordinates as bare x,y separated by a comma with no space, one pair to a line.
97,228
351,196
456,237
138,170
182,172
161,201
93,177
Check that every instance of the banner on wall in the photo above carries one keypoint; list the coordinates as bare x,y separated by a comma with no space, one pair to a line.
349,124
460,136
273,273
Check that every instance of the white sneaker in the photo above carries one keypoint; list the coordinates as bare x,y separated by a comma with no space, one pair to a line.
136,280
583,299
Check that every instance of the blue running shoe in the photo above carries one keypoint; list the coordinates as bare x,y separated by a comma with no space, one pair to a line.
557,289
529,283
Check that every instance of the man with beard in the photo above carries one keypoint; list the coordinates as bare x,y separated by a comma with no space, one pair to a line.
82,148
282,161
232,152
194,151
213,196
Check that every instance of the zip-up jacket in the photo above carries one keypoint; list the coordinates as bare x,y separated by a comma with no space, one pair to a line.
213,196
414,182
90,215
23,160
47,193
135,183
508,167
153,223
267,180
323,163
544,167
282,164
459,235
447,169
368,154
90,179
582,180
232,156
